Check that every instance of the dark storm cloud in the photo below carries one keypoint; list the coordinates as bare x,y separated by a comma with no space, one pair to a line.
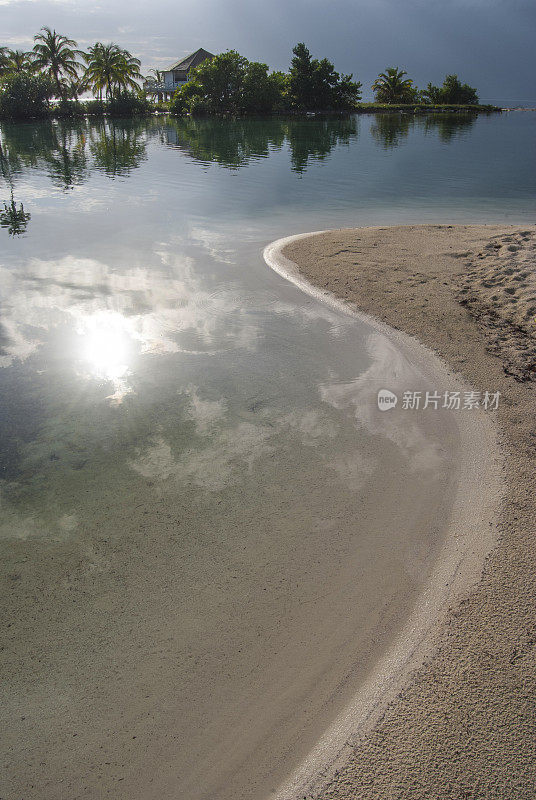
489,44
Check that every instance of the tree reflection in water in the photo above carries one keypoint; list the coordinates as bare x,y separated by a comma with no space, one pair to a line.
389,130
234,143
119,147
69,150
14,218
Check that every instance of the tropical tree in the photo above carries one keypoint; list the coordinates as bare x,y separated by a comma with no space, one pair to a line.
56,56
96,75
24,95
230,84
18,61
262,91
154,76
302,77
315,85
3,59
432,95
219,82
129,76
453,92
111,70
392,87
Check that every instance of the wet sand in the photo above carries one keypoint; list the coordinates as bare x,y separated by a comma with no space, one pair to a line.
462,725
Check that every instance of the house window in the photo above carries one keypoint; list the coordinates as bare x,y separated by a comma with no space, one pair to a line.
180,75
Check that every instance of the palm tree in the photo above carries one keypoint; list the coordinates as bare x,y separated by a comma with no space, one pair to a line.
391,87
129,74
4,57
95,75
56,56
153,79
18,61
110,68
155,76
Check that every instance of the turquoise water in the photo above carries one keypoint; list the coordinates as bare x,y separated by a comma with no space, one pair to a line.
190,446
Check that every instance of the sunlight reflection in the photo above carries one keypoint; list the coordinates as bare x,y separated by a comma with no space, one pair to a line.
105,349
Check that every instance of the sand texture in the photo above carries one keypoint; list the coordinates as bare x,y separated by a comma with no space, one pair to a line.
464,725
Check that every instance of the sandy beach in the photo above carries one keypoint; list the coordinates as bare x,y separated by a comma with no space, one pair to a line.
463,724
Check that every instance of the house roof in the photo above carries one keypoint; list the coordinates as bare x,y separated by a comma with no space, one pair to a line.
193,60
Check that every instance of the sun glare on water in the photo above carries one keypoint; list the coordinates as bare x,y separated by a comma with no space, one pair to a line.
105,349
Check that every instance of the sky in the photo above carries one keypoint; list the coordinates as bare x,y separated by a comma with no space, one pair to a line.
488,43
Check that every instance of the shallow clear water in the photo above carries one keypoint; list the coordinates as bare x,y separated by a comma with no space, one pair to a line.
190,451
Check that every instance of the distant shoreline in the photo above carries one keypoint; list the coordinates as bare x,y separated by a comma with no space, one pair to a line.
76,110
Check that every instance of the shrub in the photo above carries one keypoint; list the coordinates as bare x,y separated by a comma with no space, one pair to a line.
96,107
199,107
128,104
24,96
69,108
453,92
163,106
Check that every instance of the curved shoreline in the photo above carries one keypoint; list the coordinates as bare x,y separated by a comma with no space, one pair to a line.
459,565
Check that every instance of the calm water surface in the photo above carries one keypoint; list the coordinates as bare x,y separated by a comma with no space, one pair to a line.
190,453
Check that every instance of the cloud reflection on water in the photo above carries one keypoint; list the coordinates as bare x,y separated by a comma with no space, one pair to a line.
113,315
388,365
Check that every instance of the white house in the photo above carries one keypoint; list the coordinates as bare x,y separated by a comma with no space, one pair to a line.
177,74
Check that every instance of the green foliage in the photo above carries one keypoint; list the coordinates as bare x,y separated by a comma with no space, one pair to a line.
220,81
187,98
314,85
24,96
126,104
162,106
261,91
69,108
226,84
230,84
96,107
424,108
111,69
4,60
302,78
453,92
392,87
432,95
55,55
16,61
